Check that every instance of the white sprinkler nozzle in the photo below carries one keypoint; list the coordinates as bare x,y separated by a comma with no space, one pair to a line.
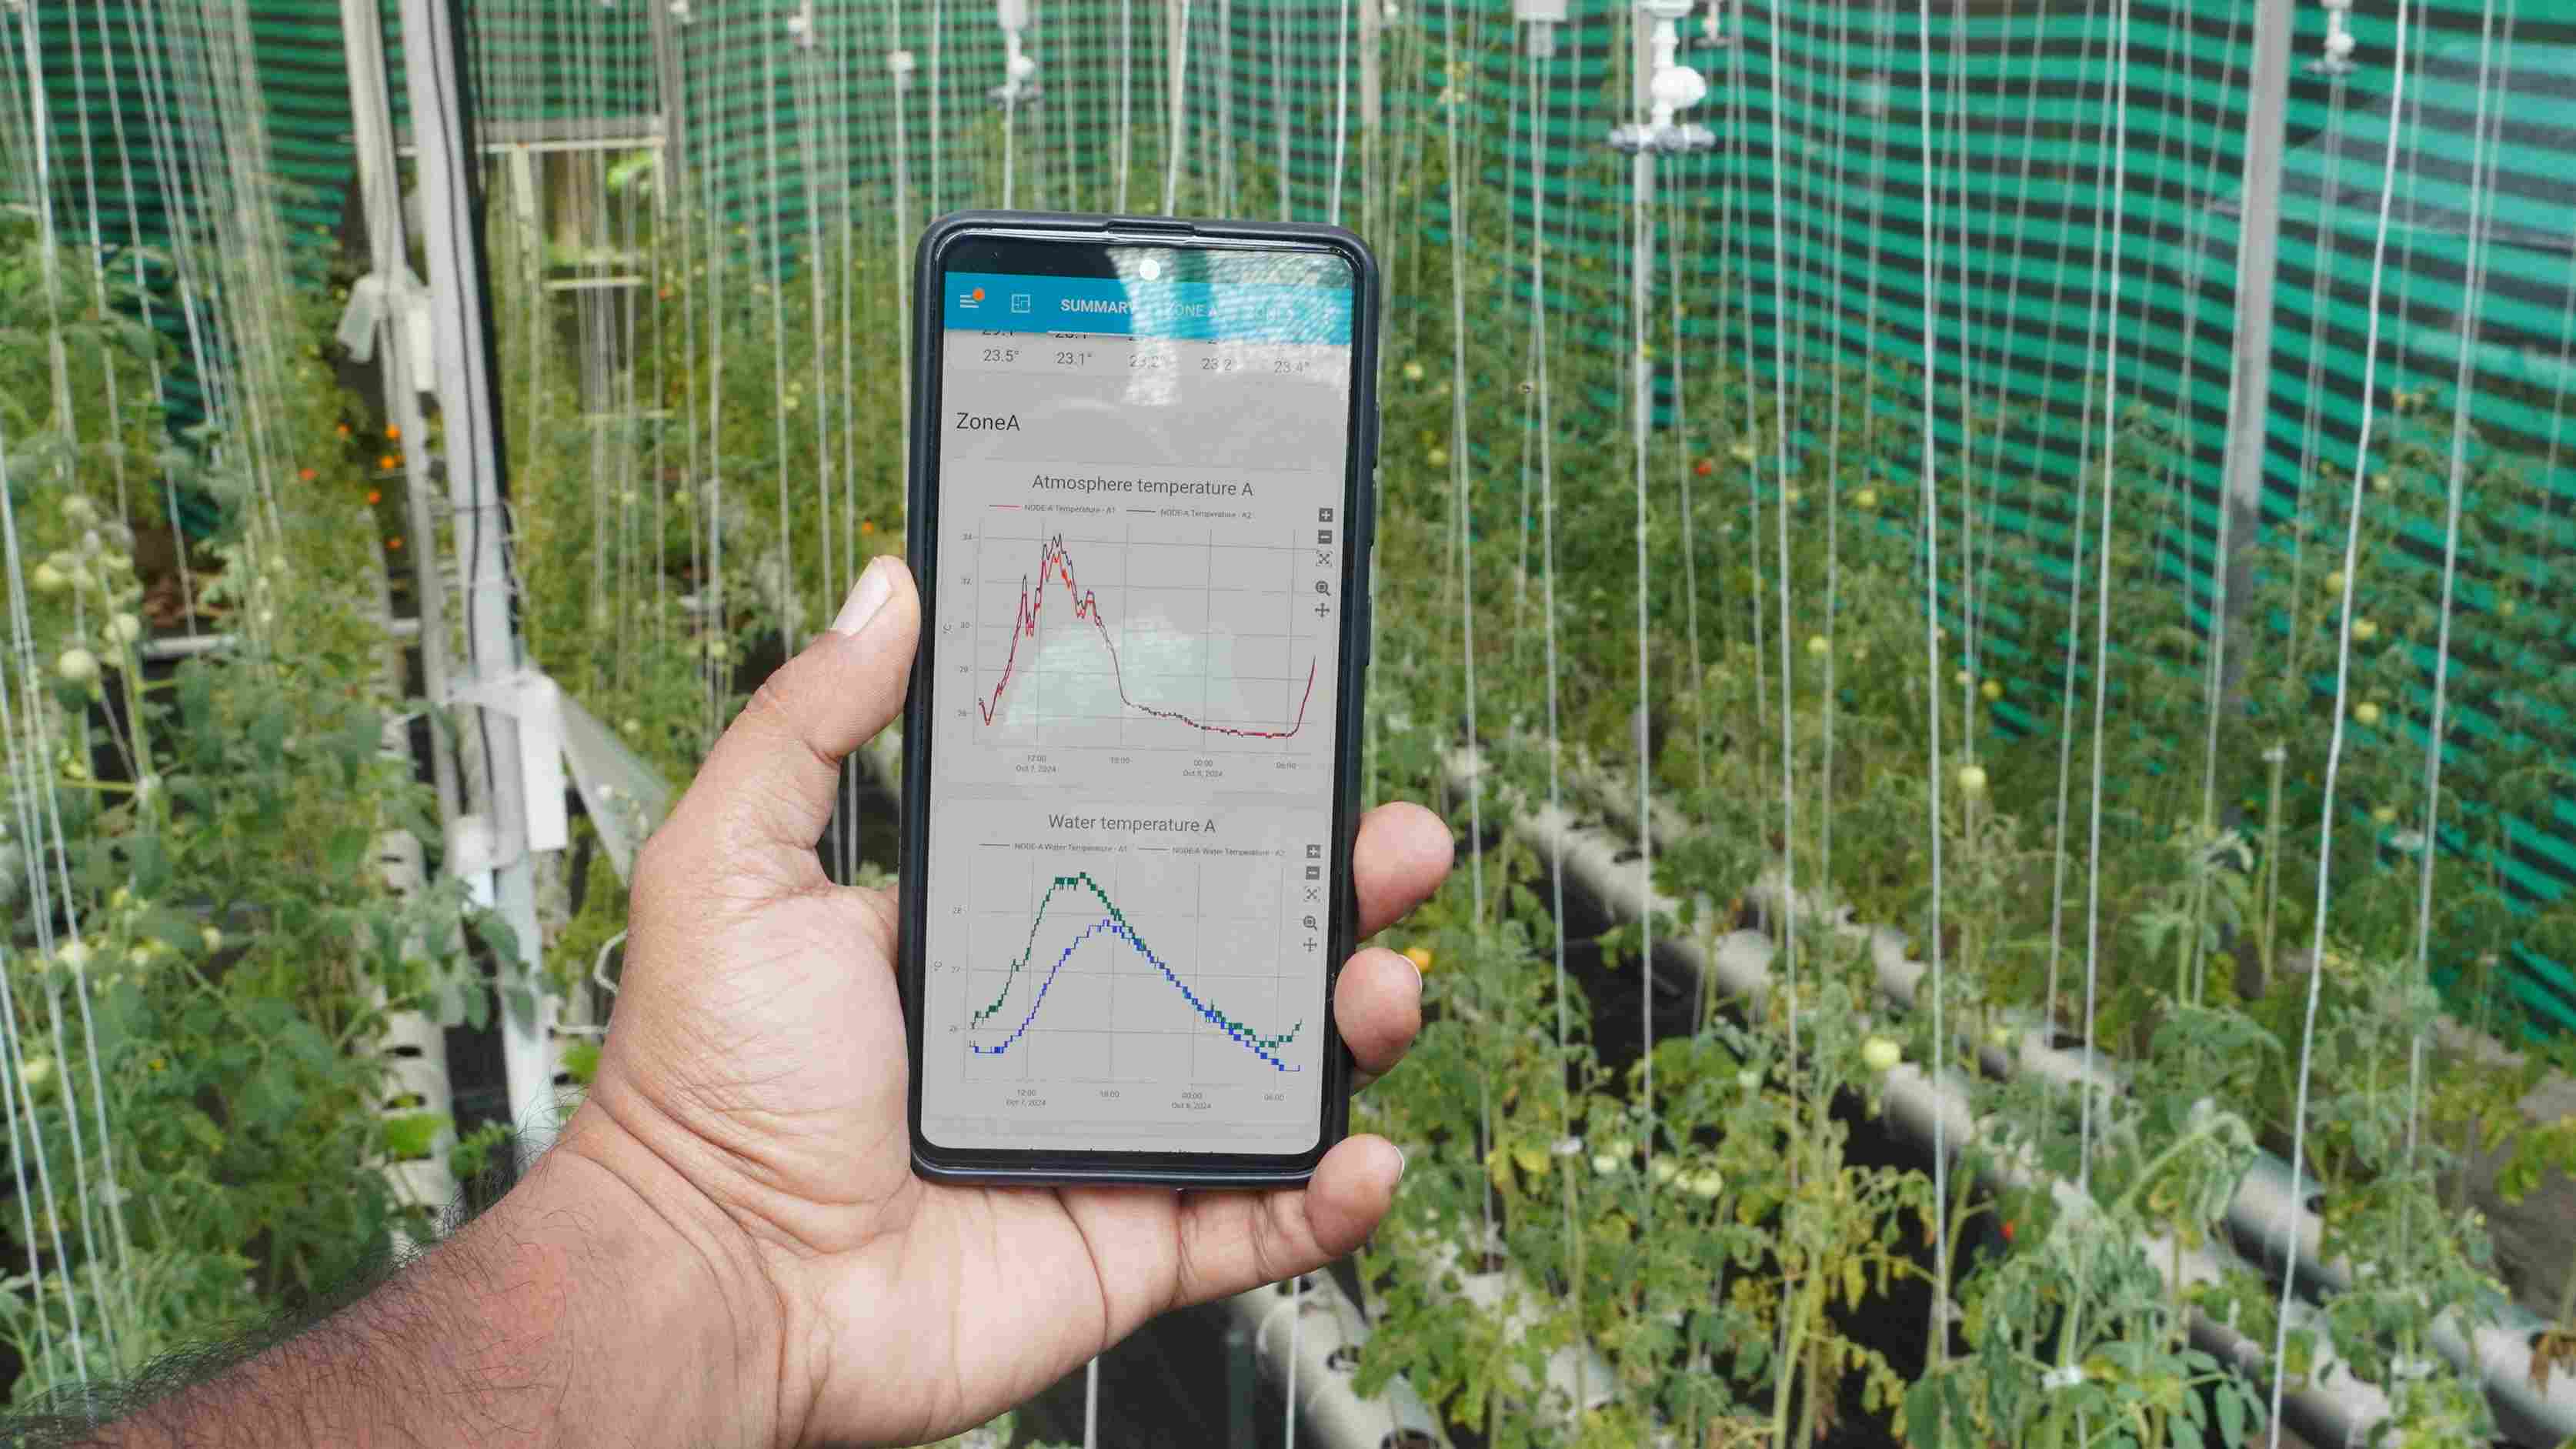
1672,86
680,11
2339,43
800,28
1019,68
1676,89
900,62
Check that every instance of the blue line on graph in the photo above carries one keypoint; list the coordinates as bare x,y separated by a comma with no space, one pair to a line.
1119,929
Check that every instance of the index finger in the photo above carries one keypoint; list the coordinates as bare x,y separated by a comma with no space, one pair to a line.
1402,856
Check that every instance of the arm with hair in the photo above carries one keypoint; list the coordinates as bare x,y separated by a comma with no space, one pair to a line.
594,1304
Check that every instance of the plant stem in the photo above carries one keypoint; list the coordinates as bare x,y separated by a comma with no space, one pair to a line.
1791,1354
2272,863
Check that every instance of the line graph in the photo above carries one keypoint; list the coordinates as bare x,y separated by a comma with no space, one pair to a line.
1114,925
1196,645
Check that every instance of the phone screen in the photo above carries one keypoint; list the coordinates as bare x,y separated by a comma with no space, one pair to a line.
1142,487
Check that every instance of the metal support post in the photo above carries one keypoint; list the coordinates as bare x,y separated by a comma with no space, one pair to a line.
489,843
421,1072
380,197
2249,397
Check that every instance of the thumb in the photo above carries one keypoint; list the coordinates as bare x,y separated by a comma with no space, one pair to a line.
767,788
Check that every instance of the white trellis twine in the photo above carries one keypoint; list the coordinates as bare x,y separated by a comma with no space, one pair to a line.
2334,748
2464,385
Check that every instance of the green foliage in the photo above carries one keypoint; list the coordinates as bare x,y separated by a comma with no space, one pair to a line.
239,949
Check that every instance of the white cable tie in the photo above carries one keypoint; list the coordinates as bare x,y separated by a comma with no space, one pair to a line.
2066,1376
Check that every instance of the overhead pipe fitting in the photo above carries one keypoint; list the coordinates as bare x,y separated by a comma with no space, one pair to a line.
1542,16
1019,68
2337,60
1671,88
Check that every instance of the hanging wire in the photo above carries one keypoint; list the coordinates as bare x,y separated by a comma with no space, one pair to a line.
2102,562
1461,513
2464,389
2369,399
1175,128
1341,113
1736,266
2074,630
1790,911
1683,467
1640,280
1938,1332
1839,220
26,766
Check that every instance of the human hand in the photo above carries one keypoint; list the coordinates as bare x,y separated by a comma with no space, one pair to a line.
752,1090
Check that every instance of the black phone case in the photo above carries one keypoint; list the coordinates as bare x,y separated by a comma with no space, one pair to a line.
1031,1168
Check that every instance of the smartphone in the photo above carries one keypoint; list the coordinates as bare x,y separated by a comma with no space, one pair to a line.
1141,510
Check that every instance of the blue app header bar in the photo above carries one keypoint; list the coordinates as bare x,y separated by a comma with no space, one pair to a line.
1133,307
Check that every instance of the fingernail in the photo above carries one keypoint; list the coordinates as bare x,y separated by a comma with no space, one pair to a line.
1399,1162
867,596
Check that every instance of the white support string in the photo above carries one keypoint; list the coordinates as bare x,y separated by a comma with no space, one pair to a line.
1641,406
2369,399
2102,580
1682,470
1781,382
2214,673
1547,535
2074,631
27,766
2464,383
1937,1332
1175,127
1126,94
1460,511
1341,112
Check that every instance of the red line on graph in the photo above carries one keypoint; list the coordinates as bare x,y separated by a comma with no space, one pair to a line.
1054,562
